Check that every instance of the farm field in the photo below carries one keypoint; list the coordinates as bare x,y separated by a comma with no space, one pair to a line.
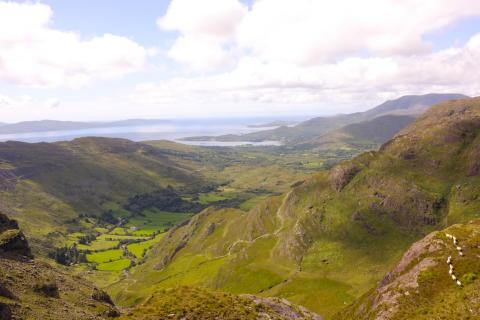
112,250
139,249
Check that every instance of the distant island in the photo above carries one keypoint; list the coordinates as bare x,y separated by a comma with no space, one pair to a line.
277,123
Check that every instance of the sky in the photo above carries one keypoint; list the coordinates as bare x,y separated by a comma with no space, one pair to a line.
96,60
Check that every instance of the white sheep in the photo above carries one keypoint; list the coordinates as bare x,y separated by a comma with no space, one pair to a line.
459,283
455,242
460,254
451,266
453,277
450,271
449,236
449,260
459,248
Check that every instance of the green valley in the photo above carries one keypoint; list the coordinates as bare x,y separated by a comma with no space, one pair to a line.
240,160
269,230
302,245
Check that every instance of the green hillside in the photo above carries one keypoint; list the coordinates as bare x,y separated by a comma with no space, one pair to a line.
365,135
80,201
363,213
32,289
57,189
421,287
155,220
202,304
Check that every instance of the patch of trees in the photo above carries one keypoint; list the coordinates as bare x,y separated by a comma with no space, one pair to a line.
67,255
195,189
166,199
108,217
86,239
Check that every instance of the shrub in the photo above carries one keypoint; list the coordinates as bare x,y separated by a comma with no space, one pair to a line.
48,289
102,296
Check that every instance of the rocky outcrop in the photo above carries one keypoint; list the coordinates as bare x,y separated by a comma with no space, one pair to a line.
7,223
420,286
12,240
405,277
342,174
277,308
196,303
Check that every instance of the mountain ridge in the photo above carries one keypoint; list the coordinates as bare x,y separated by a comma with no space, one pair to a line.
366,212
315,127
421,287
369,134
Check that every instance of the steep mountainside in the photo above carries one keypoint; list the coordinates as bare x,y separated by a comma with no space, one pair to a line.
363,213
362,135
411,104
47,187
32,289
313,128
421,285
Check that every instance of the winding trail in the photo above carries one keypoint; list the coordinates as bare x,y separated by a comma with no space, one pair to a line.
266,235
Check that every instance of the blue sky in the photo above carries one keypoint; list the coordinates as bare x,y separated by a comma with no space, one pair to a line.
101,60
133,19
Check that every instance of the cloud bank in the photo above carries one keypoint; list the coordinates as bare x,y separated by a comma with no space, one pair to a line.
309,52
32,53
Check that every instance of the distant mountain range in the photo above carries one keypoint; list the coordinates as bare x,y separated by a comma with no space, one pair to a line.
305,132
277,123
366,135
54,125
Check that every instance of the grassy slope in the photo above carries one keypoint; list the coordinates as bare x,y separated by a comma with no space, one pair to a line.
420,287
363,213
202,304
47,186
52,184
27,286
75,300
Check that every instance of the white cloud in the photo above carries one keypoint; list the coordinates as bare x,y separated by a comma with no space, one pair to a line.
34,54
352,81
206,29
313,32
26,102
314,55
200,53
306,32
215,18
